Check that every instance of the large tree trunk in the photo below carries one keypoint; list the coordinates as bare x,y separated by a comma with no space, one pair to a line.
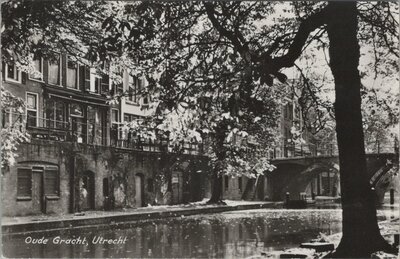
220,163
216,191
361,234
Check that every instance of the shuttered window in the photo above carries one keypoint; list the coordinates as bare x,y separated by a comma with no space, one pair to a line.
24,182
51,181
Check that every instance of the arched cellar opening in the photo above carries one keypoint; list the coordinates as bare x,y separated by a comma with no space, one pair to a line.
324,183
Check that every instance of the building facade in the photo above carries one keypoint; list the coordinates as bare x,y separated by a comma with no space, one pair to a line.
79,157
294,140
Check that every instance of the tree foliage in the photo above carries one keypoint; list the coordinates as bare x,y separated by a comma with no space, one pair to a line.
218,67
13,130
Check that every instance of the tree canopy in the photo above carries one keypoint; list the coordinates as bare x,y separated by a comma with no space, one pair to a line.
222,66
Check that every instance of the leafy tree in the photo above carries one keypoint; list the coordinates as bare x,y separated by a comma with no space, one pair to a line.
265,56
200,82
226,51
13,127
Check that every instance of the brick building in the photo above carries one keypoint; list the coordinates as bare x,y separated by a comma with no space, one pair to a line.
78,157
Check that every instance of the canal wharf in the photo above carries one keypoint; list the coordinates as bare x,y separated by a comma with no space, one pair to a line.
39,223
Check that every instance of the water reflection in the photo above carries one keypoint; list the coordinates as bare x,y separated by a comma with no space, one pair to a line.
231,234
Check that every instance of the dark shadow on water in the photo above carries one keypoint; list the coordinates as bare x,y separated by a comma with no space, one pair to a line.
236,234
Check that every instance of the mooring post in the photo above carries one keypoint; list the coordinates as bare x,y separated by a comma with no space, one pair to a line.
373,192
391,196
287,197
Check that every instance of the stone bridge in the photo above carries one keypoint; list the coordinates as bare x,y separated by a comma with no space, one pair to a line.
319,175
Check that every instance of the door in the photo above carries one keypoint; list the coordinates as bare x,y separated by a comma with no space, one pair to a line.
87,191
176,188
139,190
37,192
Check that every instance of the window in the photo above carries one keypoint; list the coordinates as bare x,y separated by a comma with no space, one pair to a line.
117,85
51,183
240,183
135,85
78,123
130,117
60,114
12,117
76,110
72,74
115,116
12,73
51,186
38,73
95,82
115,131
105,78
146,100
32,109
55,70
24,183
55,114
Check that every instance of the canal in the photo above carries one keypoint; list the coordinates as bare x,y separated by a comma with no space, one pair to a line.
235,234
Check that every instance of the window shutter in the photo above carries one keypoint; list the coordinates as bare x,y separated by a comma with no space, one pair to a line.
87,78
81,77
23,77
3,71
64,70
45,71
105,84
24,182
51,186
105,79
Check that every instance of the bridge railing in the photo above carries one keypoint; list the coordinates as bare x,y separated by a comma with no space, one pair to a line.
378,147
309,149
329,149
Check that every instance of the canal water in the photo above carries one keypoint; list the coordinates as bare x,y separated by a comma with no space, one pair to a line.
235,234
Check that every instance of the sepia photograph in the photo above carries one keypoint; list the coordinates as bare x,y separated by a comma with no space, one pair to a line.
199,129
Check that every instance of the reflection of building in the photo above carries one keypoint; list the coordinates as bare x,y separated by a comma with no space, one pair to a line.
76,143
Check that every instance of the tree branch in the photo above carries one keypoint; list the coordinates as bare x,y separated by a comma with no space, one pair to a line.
295,49
232,36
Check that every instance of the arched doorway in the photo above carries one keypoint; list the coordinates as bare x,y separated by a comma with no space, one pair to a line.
324,183
177,190
139,190
86,191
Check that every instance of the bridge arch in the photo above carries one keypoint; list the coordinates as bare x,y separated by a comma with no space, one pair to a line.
296,178
383,180
292,173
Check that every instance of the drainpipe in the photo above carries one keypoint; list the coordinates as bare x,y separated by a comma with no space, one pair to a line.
72,182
